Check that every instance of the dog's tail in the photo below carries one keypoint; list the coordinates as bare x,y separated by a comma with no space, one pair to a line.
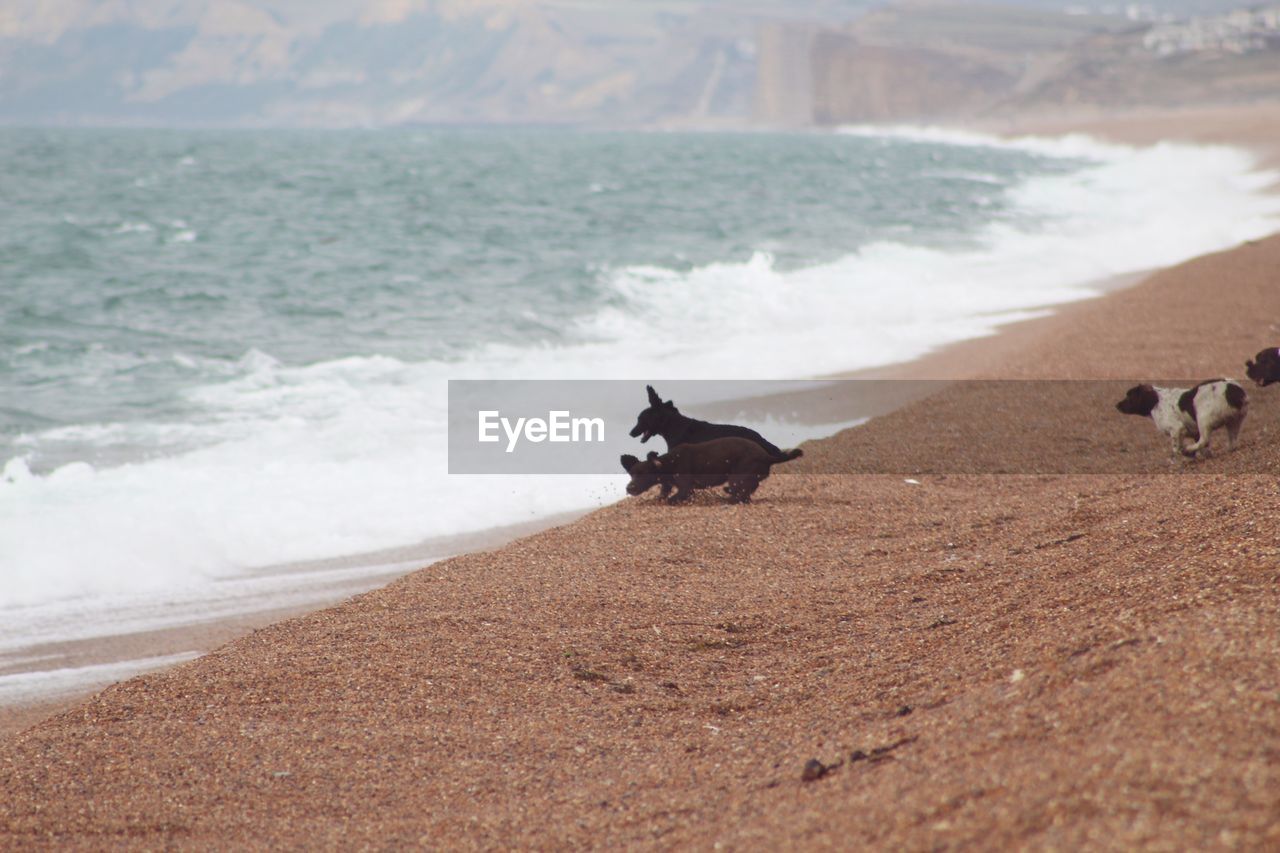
787,455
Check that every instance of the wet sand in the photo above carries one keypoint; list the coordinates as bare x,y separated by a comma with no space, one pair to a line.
38,679
1015,659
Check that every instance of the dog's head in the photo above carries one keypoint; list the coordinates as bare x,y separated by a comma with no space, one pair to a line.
651,421
644,475
1139,400
1265,369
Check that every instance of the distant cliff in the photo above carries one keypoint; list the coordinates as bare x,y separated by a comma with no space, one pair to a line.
674,63
929,61
380,62
872,83
784,87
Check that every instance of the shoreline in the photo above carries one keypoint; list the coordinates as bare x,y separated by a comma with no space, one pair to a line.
1070,662
1017,661
40,679
984,357
105,658
1249,126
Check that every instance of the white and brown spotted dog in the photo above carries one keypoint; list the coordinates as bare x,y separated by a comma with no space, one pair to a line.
1183,413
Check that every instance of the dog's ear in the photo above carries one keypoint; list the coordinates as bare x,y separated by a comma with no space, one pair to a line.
629,462
653,456
654,399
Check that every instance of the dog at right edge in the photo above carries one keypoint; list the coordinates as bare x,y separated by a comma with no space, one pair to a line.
1191,413
1264,368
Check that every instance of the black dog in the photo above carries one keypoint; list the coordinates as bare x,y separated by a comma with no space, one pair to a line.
738,461
665,420
1265,368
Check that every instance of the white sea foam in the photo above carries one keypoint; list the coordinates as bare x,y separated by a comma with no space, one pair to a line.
112,615
348,455
21,687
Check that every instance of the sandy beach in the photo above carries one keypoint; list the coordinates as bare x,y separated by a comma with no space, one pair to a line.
1024,658
40,678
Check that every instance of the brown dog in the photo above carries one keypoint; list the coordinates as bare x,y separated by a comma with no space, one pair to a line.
740,462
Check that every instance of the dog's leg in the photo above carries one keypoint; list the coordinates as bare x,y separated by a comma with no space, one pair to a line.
684,489
1201,448
1233,431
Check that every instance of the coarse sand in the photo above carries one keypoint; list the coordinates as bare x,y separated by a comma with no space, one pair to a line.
904,661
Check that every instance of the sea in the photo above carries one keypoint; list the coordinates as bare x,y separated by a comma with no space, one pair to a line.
228,350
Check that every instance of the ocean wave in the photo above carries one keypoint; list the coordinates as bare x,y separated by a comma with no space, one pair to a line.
349,455
1127,209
